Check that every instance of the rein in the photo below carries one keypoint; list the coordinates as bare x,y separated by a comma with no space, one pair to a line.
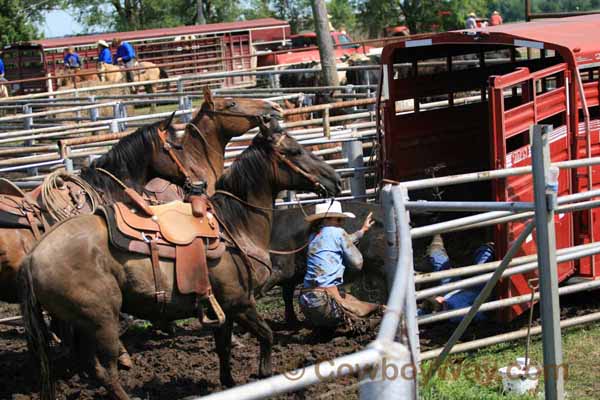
294,168
168,147
244,202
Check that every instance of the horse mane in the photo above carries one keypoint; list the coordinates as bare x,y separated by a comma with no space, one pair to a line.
243,177
127,160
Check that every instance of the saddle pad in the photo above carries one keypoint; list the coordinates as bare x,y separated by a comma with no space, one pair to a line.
174,221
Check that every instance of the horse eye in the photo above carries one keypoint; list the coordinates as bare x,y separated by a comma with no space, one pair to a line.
232,104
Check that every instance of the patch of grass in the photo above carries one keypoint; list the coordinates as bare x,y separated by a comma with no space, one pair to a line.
270,303
140,326
474,375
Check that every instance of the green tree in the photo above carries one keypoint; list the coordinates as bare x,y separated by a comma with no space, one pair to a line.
128,15
19,17
342,14
458,12
375,15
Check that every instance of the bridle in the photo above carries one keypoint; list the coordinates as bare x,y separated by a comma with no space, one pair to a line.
168,146
279,156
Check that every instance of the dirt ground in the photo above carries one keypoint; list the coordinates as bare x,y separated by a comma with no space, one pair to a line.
182,365
185,364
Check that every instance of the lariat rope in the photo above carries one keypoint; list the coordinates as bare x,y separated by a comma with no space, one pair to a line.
55,204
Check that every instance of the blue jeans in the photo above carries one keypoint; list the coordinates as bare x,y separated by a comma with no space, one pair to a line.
464,297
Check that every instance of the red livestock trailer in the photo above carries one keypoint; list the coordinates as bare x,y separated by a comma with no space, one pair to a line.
227,46
473,96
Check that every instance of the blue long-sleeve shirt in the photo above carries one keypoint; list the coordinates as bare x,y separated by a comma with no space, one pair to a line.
1,67
72,60
330,251
105,56
125,51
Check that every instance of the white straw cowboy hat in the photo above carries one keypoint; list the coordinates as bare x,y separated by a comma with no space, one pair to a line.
102,43
330,209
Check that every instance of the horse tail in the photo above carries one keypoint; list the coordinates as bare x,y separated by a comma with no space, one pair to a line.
163,74
37,331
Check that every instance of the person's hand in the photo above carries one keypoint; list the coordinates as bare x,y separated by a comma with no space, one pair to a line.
120,59
368,223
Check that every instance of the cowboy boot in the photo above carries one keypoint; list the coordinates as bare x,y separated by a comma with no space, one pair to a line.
436,247
438,257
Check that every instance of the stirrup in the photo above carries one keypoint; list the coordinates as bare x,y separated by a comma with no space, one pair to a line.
216,308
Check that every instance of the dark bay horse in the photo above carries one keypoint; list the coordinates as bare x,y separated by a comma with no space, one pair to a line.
140,157
86,281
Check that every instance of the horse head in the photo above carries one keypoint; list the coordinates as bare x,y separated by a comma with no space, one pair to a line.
234,116
293,166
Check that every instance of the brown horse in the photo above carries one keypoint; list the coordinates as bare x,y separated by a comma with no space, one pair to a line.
67,79
140,157
86,281
150,72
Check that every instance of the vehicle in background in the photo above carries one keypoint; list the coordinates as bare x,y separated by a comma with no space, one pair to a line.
302,48
182,50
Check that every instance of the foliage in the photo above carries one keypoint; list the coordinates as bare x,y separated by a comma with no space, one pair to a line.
19,16
128,15
357,16
342,14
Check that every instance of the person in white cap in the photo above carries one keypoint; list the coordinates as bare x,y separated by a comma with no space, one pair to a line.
330,251
471,22
104,56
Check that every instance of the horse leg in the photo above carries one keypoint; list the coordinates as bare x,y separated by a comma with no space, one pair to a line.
223,346
107,354
259,328
287,292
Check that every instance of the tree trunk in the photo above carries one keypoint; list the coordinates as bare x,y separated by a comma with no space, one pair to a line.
329,72
200,19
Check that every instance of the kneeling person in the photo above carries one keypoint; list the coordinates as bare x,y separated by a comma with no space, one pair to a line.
330,251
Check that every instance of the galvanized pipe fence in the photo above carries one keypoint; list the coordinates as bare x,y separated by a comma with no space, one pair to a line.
401,346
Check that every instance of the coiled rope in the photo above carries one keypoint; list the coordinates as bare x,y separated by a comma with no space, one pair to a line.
61,207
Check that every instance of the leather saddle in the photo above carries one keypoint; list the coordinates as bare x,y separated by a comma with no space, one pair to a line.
159,191
28,210
17,212
187,233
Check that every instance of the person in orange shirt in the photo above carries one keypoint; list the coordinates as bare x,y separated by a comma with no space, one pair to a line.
495,19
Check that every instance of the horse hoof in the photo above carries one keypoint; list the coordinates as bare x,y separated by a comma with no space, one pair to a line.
125,361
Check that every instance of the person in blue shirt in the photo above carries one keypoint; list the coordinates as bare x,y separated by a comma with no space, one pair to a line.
330,251
125,55
456,299
104,56
72,61
2,70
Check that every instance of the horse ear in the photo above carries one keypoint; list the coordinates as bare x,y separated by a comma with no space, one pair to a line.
208,99
168,122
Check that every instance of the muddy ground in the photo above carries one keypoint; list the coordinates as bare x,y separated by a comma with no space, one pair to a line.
173,367
182,365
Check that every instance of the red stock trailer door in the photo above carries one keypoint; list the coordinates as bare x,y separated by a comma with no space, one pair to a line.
543,99
466,99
